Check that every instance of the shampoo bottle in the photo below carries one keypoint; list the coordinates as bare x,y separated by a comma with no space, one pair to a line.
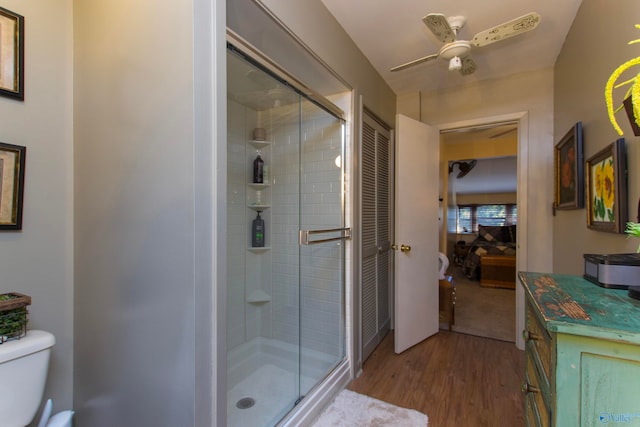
257,232
258,165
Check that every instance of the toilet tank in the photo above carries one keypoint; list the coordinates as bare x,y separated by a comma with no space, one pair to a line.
23,372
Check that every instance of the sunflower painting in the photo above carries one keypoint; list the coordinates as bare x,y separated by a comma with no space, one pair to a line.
604,190
607,207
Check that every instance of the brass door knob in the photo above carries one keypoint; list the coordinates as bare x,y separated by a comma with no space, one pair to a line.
394,247
405,248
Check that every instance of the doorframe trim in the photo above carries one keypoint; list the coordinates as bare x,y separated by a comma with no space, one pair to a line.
522,118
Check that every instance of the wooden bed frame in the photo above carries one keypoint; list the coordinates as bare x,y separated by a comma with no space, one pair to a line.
498,271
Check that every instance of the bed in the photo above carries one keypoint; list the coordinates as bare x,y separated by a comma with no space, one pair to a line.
491,240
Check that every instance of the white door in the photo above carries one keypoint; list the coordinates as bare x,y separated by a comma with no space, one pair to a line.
416,236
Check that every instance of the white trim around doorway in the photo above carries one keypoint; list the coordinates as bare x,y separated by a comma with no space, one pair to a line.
522,118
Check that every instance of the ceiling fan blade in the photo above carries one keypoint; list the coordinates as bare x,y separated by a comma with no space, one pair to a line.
504,132
415,62
440,27
468,66
509,29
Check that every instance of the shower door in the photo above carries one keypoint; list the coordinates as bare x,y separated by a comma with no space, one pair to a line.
322,239
285,294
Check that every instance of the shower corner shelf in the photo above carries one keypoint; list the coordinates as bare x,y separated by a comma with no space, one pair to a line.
258,297
260,249
259,144
258,207
258,186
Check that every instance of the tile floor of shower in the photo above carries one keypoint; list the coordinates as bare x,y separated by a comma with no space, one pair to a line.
267,370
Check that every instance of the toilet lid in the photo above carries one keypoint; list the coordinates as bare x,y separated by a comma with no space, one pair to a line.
32,342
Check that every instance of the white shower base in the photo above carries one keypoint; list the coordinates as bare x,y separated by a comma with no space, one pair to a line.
266,370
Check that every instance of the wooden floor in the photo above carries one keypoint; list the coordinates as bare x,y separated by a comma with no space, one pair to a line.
456,379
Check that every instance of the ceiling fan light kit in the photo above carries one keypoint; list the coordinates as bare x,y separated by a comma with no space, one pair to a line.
457,52
455,63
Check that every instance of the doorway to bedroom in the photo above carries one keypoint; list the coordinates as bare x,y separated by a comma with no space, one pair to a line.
479,225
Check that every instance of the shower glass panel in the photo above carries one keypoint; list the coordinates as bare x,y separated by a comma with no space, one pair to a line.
285,301
322,258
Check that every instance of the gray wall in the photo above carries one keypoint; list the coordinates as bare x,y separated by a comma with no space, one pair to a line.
144,211
595,46
37,261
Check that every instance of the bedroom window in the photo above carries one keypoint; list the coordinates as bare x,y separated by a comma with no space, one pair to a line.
470,216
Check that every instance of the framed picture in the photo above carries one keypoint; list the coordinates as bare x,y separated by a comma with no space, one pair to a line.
11,186
11,54
607,189
569,174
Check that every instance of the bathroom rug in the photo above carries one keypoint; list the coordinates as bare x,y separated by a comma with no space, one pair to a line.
351,409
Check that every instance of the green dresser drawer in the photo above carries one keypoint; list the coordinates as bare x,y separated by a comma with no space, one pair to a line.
537,409
531,416
539,346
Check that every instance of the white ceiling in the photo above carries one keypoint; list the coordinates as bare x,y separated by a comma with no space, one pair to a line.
391,32
495,175
490,175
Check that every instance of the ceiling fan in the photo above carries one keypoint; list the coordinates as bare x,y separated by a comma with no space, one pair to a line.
457,51
464,167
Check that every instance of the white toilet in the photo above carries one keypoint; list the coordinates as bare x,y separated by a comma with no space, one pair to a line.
23,372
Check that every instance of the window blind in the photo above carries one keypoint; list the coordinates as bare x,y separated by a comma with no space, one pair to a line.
470,216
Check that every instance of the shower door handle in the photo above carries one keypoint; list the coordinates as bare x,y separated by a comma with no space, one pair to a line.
305,235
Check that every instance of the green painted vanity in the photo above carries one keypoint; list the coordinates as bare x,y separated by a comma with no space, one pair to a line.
582,353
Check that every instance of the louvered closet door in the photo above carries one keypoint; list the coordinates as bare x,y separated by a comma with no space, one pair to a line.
376,234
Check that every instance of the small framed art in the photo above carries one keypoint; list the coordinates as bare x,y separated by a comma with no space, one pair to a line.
569,174
607,188
11,186
11,54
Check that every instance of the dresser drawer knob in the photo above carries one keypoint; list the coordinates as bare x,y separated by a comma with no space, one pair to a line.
529,336
528,388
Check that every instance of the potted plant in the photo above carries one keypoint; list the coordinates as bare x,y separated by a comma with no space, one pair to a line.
633,229
13,315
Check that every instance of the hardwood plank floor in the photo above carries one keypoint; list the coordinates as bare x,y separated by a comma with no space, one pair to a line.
456,379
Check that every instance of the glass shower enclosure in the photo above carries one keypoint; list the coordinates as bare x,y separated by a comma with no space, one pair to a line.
285,244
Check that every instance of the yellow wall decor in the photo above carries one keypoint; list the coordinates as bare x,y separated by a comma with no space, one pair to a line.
634,90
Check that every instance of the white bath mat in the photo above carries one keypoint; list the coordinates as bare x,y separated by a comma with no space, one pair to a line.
351,409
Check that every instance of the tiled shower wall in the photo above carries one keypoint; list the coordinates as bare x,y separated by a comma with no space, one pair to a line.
285,226
307,304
